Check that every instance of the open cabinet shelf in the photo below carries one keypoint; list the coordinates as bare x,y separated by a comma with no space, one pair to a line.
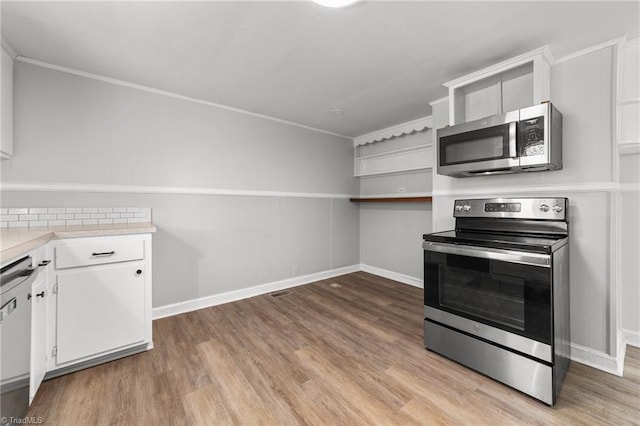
392,200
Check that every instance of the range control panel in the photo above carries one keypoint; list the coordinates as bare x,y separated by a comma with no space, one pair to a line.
521,208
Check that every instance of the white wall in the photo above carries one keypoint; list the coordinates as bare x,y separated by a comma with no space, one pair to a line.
75,130
582,89
391,233
628,108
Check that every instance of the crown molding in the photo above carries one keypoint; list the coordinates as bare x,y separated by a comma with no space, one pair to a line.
491,70
439,101
7,48
618,41
166,93
409,127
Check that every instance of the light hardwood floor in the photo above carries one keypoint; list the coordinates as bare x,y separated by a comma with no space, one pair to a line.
343,351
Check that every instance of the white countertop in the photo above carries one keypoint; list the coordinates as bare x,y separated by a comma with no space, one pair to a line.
15,242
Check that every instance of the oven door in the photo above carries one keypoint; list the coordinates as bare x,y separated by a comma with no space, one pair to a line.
480,146
498,295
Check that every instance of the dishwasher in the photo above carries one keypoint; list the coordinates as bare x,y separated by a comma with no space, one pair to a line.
15,337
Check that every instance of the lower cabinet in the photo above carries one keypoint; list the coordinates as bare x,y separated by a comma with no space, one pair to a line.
89,303
101,303
39,298
38,336
100,308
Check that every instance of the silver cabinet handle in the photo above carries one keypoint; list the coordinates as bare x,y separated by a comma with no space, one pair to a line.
44,263
104,253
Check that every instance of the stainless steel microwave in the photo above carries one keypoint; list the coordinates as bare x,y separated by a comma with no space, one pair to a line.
526,140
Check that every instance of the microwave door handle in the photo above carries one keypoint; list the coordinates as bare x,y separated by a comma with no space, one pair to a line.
512,139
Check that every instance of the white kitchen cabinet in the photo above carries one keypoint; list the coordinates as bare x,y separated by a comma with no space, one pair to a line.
6,106
38,335
513,84
39,297
102,299
99,309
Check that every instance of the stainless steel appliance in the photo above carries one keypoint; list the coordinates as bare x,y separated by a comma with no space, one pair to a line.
525,140
496,291
15,337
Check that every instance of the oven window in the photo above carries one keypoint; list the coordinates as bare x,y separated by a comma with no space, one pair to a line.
490,296
511,296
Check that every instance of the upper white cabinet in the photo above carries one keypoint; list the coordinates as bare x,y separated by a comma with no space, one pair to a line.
517,83
6,106
402,148
628,98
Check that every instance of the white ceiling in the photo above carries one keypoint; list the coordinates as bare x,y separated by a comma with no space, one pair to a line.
381,62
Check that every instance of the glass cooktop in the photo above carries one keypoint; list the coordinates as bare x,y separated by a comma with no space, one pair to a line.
530,243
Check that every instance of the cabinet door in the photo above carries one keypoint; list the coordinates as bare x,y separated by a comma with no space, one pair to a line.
99,309
38,335
6,106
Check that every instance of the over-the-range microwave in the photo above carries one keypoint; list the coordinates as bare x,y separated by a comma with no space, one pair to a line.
526,140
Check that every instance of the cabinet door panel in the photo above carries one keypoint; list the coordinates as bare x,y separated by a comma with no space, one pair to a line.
99,309
38,335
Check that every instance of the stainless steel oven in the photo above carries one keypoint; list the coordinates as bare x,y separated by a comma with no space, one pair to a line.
496,291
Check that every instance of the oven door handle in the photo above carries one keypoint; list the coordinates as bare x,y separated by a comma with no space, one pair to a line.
511,256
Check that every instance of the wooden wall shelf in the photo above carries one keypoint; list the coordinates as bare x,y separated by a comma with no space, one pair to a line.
392,200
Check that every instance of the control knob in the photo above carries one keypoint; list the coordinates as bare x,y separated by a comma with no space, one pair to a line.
458,207
556,208
467,207
544,208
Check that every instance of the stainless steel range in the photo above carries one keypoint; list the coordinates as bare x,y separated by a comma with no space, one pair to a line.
496,292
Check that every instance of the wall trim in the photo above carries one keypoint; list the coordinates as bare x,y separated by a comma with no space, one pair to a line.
598,359
629,187
579,353
539,189
7,48
396,276
232,296
591,49
628,148
439,101
406,128
117,82
138,189
631,337
543,51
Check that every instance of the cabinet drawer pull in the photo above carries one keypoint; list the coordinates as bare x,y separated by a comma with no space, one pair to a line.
44,263
104,253
41,294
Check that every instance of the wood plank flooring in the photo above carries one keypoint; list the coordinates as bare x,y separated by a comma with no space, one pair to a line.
344,351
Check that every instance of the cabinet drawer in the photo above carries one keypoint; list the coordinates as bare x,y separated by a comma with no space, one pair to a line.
98,251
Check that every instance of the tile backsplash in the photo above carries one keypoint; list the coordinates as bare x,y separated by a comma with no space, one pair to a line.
30,217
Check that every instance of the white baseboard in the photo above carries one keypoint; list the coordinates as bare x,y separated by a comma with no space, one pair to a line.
631,337
231,296
396,276
581,354
600,360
